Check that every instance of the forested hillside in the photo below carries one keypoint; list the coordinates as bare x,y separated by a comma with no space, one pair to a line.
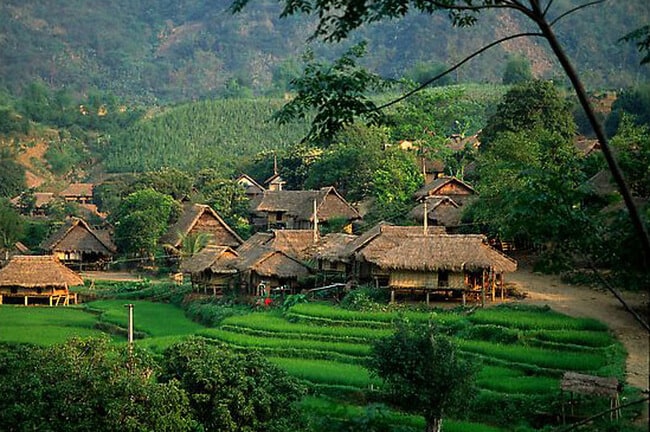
166,50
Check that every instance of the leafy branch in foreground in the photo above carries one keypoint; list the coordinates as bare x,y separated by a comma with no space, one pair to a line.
337,92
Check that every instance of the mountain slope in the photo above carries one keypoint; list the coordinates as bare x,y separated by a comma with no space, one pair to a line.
178,50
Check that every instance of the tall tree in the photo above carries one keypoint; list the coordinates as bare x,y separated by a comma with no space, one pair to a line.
423,372
11,227
517,70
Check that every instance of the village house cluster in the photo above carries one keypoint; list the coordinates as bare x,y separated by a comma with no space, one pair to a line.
287,253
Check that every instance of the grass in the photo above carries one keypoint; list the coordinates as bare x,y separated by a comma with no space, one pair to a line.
45,325
533,319
540,357
327,372
154,319
248,341
275,326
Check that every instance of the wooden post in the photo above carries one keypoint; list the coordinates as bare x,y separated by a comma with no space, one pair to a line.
392,296
493,284
503,286
50,301
0,299
483,289
427,297
25,300
464,297
425,218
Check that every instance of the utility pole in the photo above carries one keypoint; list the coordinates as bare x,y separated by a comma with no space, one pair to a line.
130,331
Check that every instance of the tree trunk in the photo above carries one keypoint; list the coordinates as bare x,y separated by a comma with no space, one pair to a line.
434,425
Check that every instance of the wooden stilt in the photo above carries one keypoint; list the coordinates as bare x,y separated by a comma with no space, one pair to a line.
483,289
503,287
50,301
427,298
392,296
0,299
25,300
493,284
464,298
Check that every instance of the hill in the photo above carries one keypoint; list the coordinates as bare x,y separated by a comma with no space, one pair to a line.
174,51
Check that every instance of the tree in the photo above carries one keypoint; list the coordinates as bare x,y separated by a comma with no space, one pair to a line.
423,372
142,218
11,226
517,70
233,391
12,174
530,105
87,385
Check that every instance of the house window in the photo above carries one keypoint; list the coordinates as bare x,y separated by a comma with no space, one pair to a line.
443,278
278,217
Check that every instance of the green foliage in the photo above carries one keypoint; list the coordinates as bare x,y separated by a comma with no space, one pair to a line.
141,219
91,381
641,37
634,102
423,372
335,92
365,299
517,70
421,73
214,134
233,392
12,174
11,226
530,106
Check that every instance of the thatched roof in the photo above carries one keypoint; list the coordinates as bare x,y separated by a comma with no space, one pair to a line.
453,252
188,220
76,235
330,246
32,271
442,184
291,242
586,146
441,209
300,204
382,236
250,185
267,262
78,190
217,259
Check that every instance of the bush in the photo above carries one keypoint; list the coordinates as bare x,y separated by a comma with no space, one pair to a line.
365,298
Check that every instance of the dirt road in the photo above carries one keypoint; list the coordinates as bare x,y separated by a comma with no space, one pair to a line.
582,301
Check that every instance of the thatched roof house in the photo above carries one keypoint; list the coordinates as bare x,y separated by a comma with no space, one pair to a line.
213,268
37,276
441,210
264,268
251,187
452,187
78,245
81,193
295,209
328,250
444,262
200,218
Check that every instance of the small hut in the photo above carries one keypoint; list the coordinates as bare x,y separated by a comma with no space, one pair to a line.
441,210
263,270
79,246
451,187
212,269
38,277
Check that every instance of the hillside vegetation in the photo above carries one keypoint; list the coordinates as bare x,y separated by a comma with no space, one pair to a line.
176,51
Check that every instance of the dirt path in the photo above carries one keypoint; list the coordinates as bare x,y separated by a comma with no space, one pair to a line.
582,301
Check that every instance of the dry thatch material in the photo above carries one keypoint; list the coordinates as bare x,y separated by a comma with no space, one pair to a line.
382,237
292,242
445,186
216,259
77,236
201,218
33,271
300,204
452,252
270,263
78,192
441,210
330,247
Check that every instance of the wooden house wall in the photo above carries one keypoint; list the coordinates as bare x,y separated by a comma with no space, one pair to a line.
411,279
281,219
453,188
457,280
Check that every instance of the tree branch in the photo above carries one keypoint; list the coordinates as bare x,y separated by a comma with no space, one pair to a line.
456,66
570,11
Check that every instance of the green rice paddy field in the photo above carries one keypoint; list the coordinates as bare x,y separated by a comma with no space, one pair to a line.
522,353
